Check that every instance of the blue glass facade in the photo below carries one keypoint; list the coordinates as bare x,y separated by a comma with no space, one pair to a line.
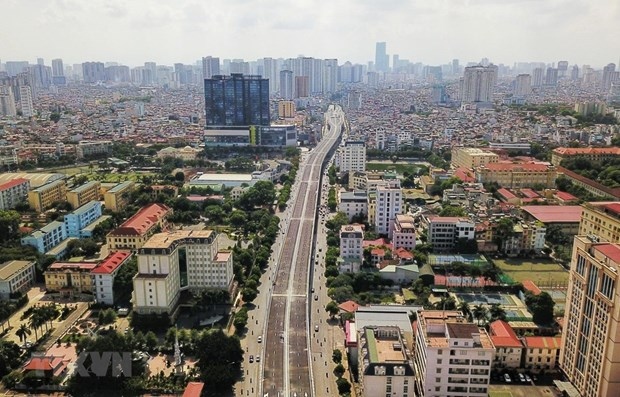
237,100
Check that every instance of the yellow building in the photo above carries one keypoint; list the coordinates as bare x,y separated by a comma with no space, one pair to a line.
135,231
541,352
44,196
286,109
518,175
589,153
84,194
69,278
601,219
117,197
467,157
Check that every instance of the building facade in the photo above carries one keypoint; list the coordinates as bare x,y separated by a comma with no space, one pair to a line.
104,274
44,196
135,231
13,192
83,194
444,232
93,148
117,197
589,352
77,220
404,232
469,158
351,156
388,204
353,203
16,276
70,278
46,237
236,100
589,153
601,219
351,248
518,175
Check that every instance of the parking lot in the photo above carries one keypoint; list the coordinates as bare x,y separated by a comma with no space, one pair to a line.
516,390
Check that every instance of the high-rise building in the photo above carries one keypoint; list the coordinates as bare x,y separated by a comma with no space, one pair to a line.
7,102
609,76
210,67
351,156
93,72
270,72
523,85
478,84
152,66
389,203
331,75
286,84
382,59
351,248
13,68
551,78
57,68
302,86
562,68
456,69
538,75
237,100
574,73
27,107
590,346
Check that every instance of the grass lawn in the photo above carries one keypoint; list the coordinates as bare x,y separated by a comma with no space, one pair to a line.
69,171
399,168
500,394
541,272
408,295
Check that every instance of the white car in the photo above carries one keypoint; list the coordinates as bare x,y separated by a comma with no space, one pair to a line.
507,378
260,339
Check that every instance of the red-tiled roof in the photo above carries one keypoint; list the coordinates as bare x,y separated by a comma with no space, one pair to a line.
348,306
615,192
375,243
403,253
613,207
542,342
568,151
532,167
142,220
12,183
112,262
507,194
529,193
565,196
612,251
464,174
530,286
502,335
72,265
378,252
193,389
554,213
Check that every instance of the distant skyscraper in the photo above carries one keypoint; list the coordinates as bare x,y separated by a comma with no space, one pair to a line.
331,75
286,84
7,102
57,68
562,68
13,68
270,72
302,86
210,67
609,76
478,84
456,69
538,76
152,66
523,85
574,73
27,106
93,72
236,100
382,59
551,79
40,61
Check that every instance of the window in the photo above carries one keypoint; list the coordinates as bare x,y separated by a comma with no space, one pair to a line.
438,370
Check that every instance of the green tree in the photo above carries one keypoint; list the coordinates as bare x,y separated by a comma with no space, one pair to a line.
23,332
55,117
339,370
480,313
344,387
337,356
9,225
9,357
240,320
332,308
541,306
151,341
497,312
464,308
452,210
219,360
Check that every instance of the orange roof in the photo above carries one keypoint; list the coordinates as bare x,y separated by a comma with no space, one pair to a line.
112,262
565,196
543,342
612,251
377,252
531,166
142,220
502,335
193,389
12,183
403,253
222,256
464,174
530,286
555,213
349,306
568,151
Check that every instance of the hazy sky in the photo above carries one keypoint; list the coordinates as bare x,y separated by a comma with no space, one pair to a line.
429,31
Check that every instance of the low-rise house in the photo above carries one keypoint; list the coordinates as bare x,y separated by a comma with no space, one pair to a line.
542,352
508,347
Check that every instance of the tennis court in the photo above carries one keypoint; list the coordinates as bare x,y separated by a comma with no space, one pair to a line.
436,260
514,308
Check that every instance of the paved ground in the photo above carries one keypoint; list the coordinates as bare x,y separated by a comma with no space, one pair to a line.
523,391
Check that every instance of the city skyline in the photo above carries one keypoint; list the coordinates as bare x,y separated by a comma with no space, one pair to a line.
426,32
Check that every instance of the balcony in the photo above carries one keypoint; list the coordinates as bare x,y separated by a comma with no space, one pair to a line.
459,362
457,389
459,371
457,380
479,371
480,362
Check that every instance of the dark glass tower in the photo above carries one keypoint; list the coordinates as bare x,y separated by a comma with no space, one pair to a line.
236,100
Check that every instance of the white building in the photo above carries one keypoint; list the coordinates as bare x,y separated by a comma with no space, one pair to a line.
351,156
523,86
15,276
385,362
404,232
388,204
186,153
353,203
104,274
351,248
157,285
89,148
13,192
478,84
25,94
444,232
453,357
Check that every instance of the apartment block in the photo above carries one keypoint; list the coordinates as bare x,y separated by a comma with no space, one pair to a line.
468,158
44,196
518,175
601,219
353,203
351,248
16,276
77,220
589,153
46,237
104,274
508,347
70,278
590,344
403,235
388,204
135,231
13,193
526,237
93,148
351,156
452,357
444,232
385,362
541,352
117,197
157,285
83,194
